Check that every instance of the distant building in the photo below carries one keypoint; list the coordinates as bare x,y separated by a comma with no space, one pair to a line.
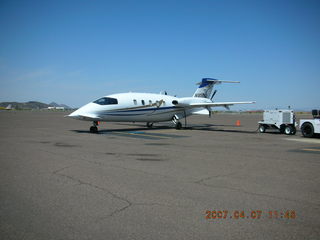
56,108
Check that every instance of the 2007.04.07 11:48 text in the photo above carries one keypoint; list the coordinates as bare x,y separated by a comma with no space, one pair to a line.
253,214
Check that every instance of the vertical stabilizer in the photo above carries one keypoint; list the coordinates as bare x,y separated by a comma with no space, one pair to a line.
205,90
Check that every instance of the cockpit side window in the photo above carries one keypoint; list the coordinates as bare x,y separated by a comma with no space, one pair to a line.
106,101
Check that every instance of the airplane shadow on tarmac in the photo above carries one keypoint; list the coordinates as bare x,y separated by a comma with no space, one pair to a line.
103,131
142,128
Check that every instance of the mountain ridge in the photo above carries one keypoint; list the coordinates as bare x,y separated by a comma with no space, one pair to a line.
32,105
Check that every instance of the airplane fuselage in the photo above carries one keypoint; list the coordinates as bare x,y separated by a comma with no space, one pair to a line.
150,107
136,107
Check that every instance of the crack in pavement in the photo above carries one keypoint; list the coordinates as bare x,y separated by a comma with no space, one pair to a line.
61,169
128,203
132,205
215,176
80,182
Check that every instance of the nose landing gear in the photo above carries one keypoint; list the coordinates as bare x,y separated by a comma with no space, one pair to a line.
94,128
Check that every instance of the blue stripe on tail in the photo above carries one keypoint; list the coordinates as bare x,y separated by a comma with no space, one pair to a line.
205,82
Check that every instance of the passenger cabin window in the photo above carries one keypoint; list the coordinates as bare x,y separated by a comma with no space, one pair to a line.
150,102
135,102
142,102
106,101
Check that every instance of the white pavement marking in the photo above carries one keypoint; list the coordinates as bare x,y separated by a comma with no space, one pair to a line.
305,140
311,150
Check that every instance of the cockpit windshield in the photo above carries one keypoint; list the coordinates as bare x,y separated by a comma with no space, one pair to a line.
106,101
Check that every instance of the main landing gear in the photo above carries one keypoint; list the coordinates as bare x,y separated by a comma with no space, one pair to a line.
176,122
94,128
149,124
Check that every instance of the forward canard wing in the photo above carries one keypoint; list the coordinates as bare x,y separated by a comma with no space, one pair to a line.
85,117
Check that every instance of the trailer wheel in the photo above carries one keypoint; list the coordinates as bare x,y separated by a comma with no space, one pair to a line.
307,130
282,128
262,128
288,130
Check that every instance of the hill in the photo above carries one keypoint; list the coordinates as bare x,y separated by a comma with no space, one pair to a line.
53,104
31,105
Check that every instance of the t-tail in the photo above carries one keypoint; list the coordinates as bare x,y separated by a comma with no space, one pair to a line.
205,90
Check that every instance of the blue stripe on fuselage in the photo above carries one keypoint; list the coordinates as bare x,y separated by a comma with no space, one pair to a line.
121,112
145,109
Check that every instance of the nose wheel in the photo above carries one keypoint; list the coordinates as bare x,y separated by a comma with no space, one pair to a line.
94,128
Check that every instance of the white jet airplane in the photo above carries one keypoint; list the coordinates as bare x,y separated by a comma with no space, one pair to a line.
150,107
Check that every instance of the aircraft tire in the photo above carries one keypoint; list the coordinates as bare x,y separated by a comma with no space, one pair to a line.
93,129
178,125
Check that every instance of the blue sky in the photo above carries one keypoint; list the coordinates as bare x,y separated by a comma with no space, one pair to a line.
73,52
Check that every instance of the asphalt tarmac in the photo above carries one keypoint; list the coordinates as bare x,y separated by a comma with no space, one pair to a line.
213,180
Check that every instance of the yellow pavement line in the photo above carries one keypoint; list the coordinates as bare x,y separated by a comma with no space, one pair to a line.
139,134
312,150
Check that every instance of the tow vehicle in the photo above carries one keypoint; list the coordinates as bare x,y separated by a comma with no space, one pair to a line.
310,127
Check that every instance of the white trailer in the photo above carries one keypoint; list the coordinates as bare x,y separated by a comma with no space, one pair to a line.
310,127
283,120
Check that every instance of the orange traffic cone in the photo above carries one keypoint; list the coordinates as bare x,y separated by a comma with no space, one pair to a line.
238,124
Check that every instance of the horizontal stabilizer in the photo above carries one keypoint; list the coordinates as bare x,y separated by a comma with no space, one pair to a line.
205,90
212,80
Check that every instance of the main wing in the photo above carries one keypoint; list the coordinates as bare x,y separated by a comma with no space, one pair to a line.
208,106
188,104
217,104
